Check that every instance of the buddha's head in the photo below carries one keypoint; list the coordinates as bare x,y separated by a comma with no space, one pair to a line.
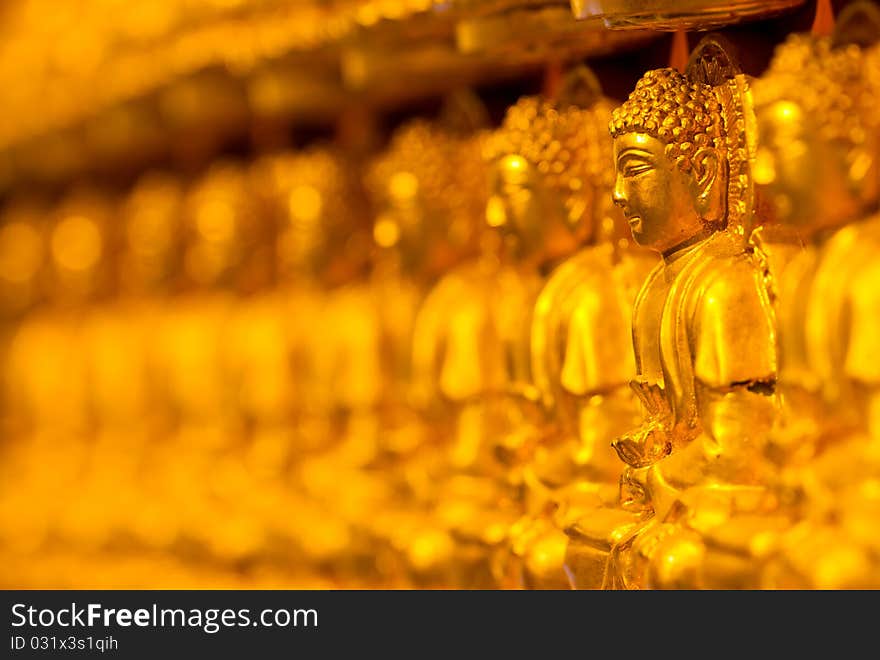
316,207
427,191
549,175
213,213
670,156
22,255
80,247
817,120
152,233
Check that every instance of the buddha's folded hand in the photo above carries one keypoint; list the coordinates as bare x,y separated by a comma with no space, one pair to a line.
644,446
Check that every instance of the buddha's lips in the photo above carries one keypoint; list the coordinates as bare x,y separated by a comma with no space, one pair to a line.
634,221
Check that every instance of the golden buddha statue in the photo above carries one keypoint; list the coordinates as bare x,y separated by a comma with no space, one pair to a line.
23,270
472,382
307,198
47,374
820,135
195,349
22,260
126,397
703,331
425,223
328,326
550,160
518,356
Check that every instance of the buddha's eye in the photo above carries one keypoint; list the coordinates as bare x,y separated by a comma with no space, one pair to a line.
635,168
513,189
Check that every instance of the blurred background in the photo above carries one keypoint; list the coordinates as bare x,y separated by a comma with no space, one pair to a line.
193,228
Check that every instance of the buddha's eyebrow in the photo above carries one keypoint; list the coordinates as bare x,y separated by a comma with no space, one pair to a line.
633,152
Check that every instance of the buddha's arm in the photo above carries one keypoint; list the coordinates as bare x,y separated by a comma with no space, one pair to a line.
862,347
734,351
541,341
427,348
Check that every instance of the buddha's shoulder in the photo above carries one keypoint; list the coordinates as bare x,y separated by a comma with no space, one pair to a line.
349,305
729,280
860,240
636,265
587,266
462,282
727,262
476,293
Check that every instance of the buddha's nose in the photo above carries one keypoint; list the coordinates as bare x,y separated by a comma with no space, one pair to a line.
617,194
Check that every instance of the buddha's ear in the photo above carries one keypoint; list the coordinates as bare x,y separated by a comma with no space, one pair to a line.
580,211
862,171
707,175
706,169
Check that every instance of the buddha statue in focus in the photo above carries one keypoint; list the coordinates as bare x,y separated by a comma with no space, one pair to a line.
703,332
817,161
551,160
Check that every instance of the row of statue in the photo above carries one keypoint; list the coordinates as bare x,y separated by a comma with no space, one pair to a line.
600,346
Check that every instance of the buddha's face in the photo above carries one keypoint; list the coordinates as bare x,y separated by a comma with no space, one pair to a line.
22,254
806,177
661,203
520,205
401,223
213,238
299,244
78,252
152,239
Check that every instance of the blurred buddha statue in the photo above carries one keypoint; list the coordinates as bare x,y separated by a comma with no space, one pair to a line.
424,221
23,274
427,203
816,108
124,382
22,259
475,332
47,374
319,245
322,249
328,325
197,350
551,160
131,400
214,221
703,331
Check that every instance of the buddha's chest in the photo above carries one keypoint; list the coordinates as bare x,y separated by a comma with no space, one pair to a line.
793,280
487,331
650,330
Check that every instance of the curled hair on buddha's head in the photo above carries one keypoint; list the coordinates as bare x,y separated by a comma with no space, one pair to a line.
432,157
684,115
830,85
566,143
